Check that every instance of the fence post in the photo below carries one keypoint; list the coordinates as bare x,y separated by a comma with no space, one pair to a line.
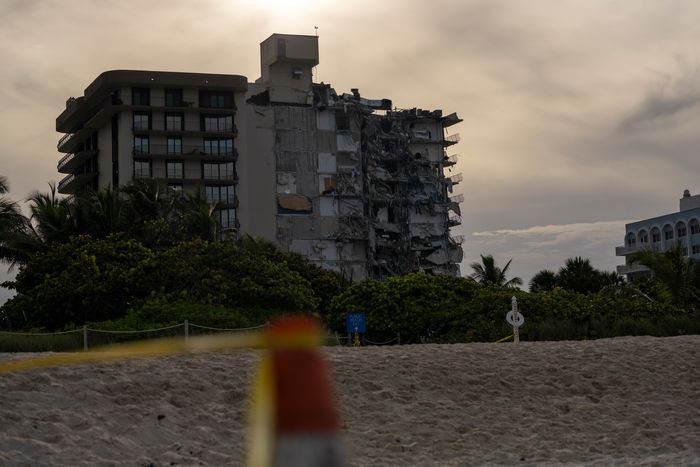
85,340
187,330
398,338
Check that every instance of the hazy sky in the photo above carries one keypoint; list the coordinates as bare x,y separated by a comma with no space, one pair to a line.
579,115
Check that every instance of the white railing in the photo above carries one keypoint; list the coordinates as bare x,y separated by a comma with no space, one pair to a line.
452,138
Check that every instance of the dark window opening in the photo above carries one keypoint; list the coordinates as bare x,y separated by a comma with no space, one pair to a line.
173,98
141,96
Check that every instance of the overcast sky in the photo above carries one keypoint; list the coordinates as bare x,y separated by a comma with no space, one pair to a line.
579,115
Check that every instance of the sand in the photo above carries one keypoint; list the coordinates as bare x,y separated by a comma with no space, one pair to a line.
622,401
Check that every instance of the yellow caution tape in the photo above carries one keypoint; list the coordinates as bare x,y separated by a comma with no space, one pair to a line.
171,345
504,339
261,416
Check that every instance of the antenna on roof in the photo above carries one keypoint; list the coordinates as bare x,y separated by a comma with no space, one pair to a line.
314,70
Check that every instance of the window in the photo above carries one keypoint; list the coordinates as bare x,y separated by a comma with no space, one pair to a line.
682,232
173,98
142,120
668,235
142,169
216,100
220,194
218,146
685,251
173,169
643,237
217,171
141,145
217,123
174,122
694,229
696,249
141,96
656,236
630,241
226,217
174,145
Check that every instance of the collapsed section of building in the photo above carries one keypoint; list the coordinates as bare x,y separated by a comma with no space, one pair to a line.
354,184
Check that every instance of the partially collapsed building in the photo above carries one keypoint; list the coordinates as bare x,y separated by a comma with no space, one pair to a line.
354,184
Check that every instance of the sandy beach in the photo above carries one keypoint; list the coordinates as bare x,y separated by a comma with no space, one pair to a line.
622,401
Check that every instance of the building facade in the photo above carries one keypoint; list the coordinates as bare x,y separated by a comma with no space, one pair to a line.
660,233
354,184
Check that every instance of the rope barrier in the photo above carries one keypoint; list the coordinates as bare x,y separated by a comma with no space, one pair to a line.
165,346
106,331
39,333
228,329
381,343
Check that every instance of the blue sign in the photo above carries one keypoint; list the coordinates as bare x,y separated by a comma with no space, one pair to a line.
356,323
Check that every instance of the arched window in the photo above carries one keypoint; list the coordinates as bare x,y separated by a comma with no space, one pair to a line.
643,236
668,232
655,235
694,227
631,240
681,230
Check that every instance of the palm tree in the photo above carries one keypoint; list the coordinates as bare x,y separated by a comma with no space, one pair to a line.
579,276
545,280
11,222
198,217
675,271
487,273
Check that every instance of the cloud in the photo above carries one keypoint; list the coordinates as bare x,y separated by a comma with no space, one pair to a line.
669,97
548,246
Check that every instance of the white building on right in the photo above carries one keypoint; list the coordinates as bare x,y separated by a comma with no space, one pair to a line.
661,233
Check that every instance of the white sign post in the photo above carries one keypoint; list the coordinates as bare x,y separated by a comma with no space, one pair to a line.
515,319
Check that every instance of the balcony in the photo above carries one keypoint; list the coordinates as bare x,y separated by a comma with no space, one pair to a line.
450,161
192,127
451,119
455,179
454,220
457,239
157,151
72,183
631,268
70,141
226,202
625,250
70,162
451,139
457,198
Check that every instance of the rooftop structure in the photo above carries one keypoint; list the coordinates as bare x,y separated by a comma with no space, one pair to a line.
661,233
354,184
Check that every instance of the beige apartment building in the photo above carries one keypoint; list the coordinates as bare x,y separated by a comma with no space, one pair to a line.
354,184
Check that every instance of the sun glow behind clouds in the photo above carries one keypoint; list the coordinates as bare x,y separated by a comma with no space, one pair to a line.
288,9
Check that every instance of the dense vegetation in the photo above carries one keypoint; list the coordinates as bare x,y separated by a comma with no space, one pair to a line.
137,258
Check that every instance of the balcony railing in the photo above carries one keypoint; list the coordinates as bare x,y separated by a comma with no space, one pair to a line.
187,150
71,183
451,160
63,139
457,198
457,239
65,162
625,250
631,268
189,126
452,139
455,179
